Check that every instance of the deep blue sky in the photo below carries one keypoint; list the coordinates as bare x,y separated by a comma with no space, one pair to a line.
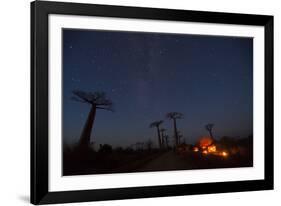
207,78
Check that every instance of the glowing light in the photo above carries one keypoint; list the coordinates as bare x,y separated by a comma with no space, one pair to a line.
225,154
204,142
212,148
195,149
205,152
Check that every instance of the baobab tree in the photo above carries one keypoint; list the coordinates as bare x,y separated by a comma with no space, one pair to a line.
209,128
162,136
157,125
174,116
97,100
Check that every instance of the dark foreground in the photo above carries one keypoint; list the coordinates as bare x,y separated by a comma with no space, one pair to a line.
89,162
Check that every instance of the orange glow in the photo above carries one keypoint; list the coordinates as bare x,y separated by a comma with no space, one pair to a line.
225,154
195,149
212,148
204,142
207,146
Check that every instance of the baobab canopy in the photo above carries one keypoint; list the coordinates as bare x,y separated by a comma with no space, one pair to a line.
96,98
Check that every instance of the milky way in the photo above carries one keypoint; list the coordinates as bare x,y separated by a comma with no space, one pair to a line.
207,78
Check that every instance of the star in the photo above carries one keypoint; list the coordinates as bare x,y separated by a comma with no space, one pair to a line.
75,80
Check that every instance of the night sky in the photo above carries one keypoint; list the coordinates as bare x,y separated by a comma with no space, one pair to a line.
207,78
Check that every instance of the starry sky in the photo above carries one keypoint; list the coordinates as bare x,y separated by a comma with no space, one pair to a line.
207,78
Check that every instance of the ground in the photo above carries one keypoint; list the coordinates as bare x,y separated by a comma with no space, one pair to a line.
152,161
167,161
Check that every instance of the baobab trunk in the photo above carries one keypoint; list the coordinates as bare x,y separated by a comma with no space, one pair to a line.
159,138
211,134
176,132
86,133
162,138
165,140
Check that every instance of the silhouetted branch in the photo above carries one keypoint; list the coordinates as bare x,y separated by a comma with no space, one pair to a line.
174,115
106,108
97,98
156,124
78,100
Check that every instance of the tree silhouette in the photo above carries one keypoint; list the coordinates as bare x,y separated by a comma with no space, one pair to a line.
157,125
162,136
97,100
209,128
174,116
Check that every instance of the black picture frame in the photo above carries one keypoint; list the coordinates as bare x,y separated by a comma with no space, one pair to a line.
39,102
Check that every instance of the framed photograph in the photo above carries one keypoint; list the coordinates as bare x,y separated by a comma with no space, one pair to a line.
133,102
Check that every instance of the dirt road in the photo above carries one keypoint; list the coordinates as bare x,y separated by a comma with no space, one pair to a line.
167,161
